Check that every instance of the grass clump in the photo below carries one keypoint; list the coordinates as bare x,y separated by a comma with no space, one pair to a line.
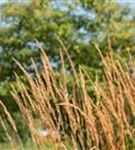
71,115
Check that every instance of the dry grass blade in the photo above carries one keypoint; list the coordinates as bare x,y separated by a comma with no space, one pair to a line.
99,120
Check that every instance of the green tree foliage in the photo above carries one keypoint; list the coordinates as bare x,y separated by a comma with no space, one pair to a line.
79,23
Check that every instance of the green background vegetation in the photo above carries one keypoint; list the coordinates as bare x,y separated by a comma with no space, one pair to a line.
79,23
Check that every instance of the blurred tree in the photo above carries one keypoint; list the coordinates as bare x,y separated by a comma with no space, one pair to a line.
79,23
